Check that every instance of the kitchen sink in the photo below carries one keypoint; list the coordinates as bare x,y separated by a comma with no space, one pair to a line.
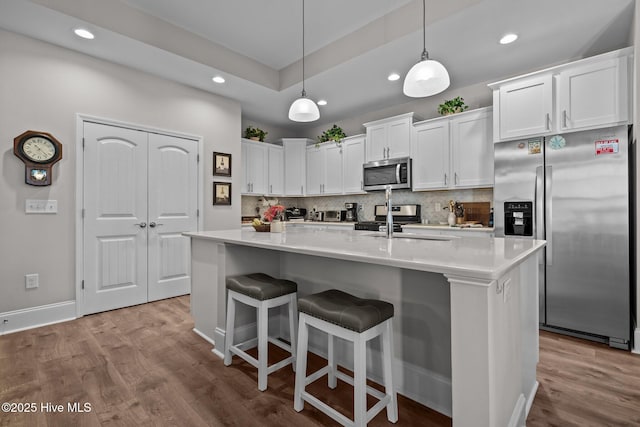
408,236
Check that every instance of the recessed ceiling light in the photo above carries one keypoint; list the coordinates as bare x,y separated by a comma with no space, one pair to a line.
322,102
508,38
393,77
85,34
218,79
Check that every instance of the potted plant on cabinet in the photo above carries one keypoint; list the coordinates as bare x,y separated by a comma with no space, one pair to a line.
335,134
452,106
255,133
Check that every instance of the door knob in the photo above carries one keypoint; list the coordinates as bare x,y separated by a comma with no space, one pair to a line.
142,224
153,224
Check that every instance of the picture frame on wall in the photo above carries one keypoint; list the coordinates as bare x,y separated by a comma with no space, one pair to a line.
221,164
222,193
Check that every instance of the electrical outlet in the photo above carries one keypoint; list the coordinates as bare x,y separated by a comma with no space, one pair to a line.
31,281
438,207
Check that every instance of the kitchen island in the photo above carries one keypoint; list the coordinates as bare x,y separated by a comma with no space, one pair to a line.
466,309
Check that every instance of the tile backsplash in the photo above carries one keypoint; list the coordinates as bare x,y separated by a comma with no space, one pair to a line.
366,202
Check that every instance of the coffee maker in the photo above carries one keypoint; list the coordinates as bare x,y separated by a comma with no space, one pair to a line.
352,212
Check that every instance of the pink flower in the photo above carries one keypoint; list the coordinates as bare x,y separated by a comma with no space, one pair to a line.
273,212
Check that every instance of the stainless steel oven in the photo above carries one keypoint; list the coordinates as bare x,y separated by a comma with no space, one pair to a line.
394,173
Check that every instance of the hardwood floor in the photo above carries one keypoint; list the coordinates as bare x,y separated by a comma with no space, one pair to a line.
144,366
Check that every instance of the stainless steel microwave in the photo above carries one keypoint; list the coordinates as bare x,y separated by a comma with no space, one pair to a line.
394,173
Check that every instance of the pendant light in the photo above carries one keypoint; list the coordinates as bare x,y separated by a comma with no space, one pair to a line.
427,77
303,109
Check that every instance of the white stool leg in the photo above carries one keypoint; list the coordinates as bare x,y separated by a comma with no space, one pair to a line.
301,363
359,381
263,341
293,327
387,350
229,328
331,358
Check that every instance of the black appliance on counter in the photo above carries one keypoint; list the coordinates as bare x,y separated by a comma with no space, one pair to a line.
295,213
402,214
351,212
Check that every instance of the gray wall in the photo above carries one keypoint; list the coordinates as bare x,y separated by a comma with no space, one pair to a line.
43,87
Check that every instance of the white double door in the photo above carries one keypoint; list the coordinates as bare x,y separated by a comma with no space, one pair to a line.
140,195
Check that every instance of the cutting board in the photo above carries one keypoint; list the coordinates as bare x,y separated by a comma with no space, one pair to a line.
477,211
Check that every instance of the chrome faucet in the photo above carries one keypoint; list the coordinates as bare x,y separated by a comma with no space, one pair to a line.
387,197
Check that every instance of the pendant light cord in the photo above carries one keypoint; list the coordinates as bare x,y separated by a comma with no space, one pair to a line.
303,91
425,54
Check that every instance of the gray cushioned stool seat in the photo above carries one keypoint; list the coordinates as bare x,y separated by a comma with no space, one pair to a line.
346,310
261,286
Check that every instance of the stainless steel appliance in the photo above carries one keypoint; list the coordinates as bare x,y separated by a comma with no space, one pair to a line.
317,216
402,214
352,212
573,191
393,173
334,216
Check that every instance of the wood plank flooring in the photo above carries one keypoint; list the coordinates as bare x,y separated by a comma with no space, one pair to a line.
144,366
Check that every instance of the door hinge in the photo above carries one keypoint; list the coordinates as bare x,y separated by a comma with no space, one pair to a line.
198,158
83,284
82,212
83,142
197,212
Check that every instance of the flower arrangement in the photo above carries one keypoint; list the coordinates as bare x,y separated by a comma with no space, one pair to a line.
255,133
452,106
335,134
273,212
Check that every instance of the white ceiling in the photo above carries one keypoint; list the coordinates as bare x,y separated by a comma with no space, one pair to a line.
351,45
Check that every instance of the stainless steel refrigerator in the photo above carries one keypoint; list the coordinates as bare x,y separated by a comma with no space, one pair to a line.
579,186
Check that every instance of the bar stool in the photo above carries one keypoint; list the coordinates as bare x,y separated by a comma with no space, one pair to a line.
358,320
263,292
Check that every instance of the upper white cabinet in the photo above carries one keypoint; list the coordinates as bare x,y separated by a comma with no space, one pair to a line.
453,152
472,149
295,164
593,94
353,158
526,107
255,165
275,184
581,95
324,169
389,138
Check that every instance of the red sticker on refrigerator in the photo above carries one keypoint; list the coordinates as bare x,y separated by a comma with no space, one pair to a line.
606,146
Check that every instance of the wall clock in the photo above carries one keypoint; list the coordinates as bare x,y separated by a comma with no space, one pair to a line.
39,151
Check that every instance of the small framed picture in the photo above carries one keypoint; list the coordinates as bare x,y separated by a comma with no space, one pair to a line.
221,164
221,193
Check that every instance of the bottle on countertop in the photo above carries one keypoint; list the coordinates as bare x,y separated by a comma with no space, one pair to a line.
491,218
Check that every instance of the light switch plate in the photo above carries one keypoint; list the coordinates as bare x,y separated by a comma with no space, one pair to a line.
31,281
41,206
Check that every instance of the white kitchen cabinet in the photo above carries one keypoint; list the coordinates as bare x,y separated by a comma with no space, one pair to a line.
389,138
593,95
275,170
255,166
586,94
431,148
453,152
525,107
324,169
295,164
353,155
471,149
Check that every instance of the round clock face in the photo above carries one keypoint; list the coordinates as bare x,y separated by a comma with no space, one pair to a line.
39,149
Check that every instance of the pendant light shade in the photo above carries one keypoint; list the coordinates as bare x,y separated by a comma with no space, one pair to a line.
427,77
303,109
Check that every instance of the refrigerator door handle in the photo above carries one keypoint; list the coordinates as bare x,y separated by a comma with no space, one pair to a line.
539,206
548,179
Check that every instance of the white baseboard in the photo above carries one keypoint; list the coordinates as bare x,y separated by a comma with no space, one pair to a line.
531,396
636,341
518,416
205,337
34,317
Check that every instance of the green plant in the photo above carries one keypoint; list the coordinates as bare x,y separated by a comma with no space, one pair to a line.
455,105
335,134
255,133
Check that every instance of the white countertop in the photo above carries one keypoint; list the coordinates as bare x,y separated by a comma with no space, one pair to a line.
446,227
486,258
